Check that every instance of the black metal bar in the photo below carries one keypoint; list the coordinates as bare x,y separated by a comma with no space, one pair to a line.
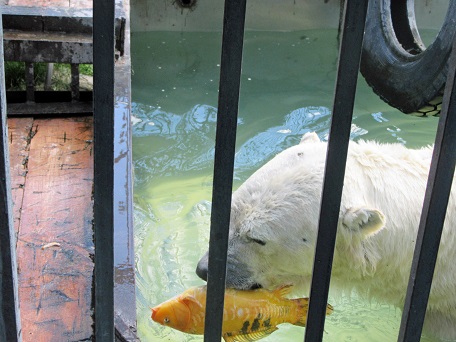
48,79
30,81
75,82
433,215
347,74
10,327
230,75
103,90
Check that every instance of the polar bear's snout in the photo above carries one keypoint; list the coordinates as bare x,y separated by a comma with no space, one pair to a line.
201,268
238,275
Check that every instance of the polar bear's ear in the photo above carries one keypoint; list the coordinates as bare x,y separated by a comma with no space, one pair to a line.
364,220
310,137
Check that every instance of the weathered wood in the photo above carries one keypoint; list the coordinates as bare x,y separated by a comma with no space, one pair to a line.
44,19
48,47
50,108
45,25
10,326
19,135
55,242
70,7
54,17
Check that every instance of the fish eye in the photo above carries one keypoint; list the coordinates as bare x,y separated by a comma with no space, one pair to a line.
166,320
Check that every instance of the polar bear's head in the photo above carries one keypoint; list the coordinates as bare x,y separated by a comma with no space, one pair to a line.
274,220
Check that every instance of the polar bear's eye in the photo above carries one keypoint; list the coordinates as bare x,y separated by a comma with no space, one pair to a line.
260,242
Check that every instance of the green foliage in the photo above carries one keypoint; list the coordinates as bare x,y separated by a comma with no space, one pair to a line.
86,69
61,78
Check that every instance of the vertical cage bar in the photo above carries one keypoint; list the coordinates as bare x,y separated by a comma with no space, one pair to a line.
103,90
230,78
10,327
433,215
49,74
75,82
30,81
336,157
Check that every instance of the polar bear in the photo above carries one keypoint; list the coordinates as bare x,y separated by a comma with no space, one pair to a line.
274,222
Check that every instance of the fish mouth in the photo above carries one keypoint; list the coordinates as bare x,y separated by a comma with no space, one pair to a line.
154,313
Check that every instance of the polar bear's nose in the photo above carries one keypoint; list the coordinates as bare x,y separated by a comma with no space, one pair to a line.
201,268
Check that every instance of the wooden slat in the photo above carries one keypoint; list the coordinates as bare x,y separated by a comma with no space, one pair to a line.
10,326
19,134
52,4
55,282
50,108
48,47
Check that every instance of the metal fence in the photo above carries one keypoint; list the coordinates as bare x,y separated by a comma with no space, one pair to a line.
434,209
436,198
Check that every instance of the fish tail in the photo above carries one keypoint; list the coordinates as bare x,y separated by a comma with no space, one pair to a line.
303,308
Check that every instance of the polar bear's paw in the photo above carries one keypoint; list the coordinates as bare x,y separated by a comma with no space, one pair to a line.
367,221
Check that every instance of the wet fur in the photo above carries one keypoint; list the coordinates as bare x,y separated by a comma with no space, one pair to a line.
275,216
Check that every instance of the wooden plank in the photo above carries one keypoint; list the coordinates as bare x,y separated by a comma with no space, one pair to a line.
19,135
52,3
10,326
50,108
44,48
56,280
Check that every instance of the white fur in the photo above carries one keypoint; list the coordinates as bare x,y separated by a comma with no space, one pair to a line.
379,216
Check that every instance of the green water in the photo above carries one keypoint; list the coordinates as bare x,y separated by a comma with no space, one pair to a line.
287,90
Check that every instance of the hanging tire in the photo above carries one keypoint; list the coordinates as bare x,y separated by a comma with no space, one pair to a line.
395,62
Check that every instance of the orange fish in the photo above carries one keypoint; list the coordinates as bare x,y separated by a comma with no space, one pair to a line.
248,315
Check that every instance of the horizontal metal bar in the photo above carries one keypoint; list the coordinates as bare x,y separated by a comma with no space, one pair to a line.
230,76
347,74
433,215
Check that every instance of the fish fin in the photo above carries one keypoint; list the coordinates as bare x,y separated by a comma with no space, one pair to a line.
253,336
283,290
190,299
303,308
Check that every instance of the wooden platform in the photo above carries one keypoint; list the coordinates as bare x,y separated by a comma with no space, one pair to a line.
51,158
52,180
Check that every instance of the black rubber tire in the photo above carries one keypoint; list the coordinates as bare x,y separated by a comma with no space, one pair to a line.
395,62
